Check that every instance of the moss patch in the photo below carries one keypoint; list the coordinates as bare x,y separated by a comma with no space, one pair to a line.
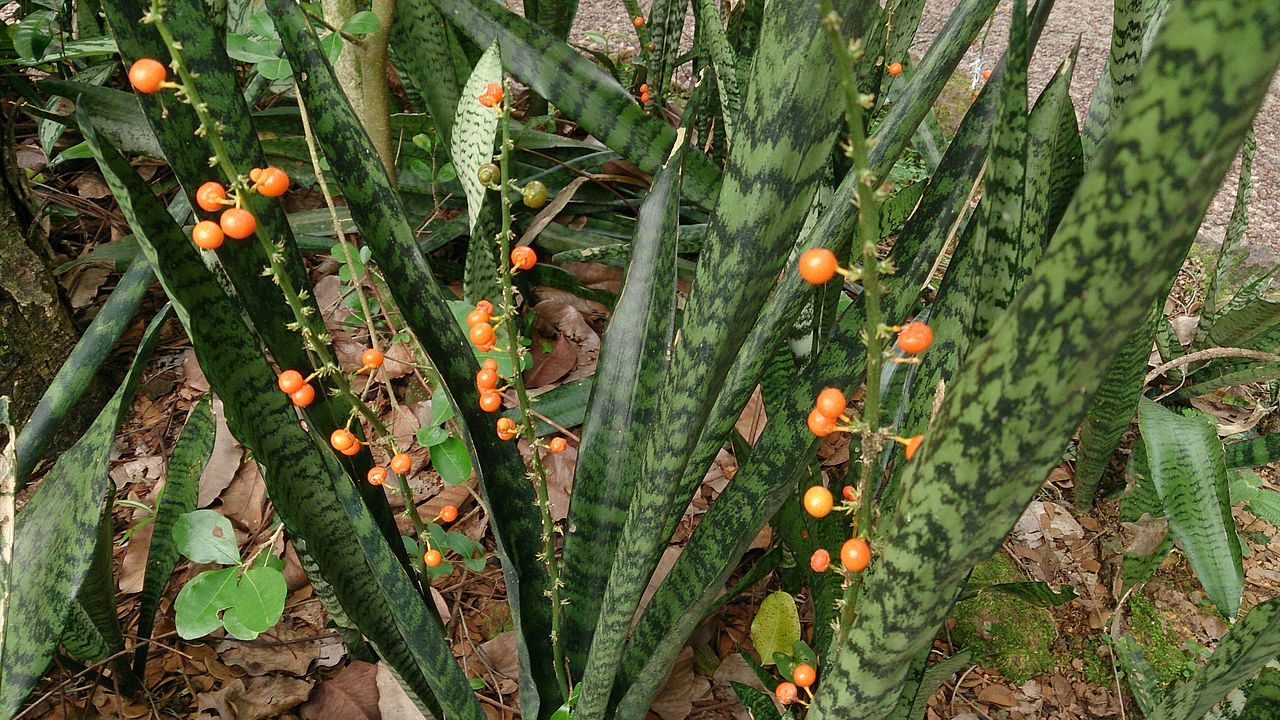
1004,632
1164,649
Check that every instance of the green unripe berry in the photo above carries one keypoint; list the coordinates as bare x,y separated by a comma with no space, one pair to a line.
534,194
488,174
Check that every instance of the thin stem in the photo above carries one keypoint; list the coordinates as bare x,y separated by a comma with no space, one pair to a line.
538,473
316,339
868,229
402,481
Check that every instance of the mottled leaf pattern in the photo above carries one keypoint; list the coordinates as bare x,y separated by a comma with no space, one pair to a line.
1009,412
1252,453
181,487
1252,642
429,59
1119,78
50,541
475,127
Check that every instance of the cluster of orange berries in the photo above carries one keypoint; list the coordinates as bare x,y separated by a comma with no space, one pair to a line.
301,392
235,222
481,332
802,676
487,383
401,463
644,93
491,97
855,554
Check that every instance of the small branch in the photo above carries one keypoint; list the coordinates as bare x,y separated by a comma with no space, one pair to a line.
1211,354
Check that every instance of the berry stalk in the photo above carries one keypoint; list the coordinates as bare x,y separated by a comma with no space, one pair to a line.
865,200
538,473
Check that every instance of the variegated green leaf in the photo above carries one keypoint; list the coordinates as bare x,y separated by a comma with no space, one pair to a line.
1190,474
1120,76
1230,254
1261,450
54,541
475,127
1009,412
723,61
430,60
1143,682
923,684
1251,643
181,487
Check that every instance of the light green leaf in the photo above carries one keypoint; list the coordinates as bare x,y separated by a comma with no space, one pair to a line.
257,603
776,626
199,601
431,436
452,461
362,23
205,536
474,128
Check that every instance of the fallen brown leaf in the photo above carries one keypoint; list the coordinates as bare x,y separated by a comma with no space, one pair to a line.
352,694
254,698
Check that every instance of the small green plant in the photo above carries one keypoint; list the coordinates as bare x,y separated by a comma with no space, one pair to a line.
246,598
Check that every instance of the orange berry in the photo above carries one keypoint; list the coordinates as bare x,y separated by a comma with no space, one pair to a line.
372,358
377,475
490,400
207,235
432,558
645,98
638,21
238,223
290,381
487,347
818,501
303,396
804,675
558,445
210,195
342,439
915,337
912,445
486,380
831,403
492,95
146,75
401,464
271,182
523,258
255,174
485,306
785,692
489,364
475,317
506,428
849,493
818,265
820,561
820,424
353,450
644,88
482,334
895,68
855,554
449,513
986,75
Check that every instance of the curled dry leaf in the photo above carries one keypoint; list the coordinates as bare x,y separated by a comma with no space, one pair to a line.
560,468
254,698
244,502
285,651
192,373
550,366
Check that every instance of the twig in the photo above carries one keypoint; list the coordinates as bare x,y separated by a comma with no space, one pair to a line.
1211,354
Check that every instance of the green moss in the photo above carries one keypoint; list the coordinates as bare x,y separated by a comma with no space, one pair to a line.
1004,632
1164,649
1097,669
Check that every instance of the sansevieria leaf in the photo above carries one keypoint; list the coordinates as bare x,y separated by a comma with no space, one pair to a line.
1009,412
313,495
475,127
181,487
54,542
1190,474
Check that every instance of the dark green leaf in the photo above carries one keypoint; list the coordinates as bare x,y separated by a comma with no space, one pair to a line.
181,489
1143,681
924,684
1032,593
54,541
34,33
1261,450
760,705
451,459
361,23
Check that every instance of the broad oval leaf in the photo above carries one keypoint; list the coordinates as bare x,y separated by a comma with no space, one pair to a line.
257,603
206,536
776,626
199,601
451,459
